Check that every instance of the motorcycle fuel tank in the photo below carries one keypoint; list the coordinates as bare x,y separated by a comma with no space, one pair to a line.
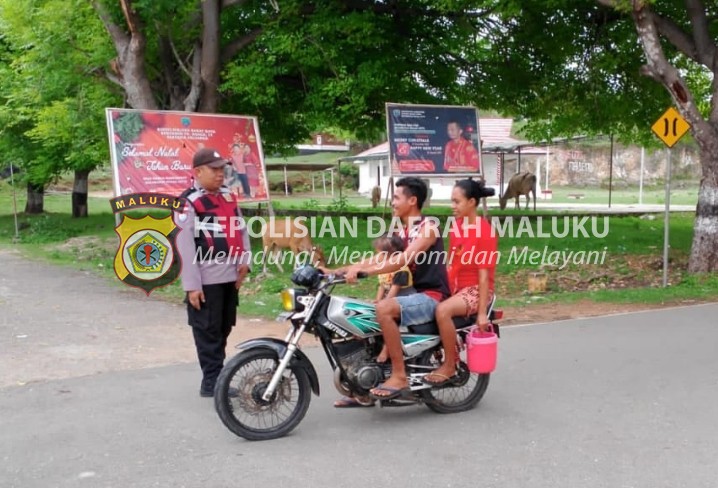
354,316
359,319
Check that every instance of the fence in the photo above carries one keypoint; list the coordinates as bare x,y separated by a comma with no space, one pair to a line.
584,170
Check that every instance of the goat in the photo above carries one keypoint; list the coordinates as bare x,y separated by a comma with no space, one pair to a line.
286,233
375,196
523,183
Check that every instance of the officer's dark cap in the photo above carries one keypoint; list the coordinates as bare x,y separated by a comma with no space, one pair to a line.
210,157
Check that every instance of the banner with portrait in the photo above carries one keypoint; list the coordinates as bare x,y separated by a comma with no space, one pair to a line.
151,151
433,140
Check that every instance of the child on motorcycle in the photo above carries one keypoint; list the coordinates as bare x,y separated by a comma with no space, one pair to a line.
423,245
398,283
473,256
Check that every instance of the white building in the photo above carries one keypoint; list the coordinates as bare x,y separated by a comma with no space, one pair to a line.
495,135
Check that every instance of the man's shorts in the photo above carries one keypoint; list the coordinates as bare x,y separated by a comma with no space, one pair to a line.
416,309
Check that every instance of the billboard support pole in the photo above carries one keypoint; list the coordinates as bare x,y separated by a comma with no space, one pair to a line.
484,204
389,194
503,171
286,185
339,172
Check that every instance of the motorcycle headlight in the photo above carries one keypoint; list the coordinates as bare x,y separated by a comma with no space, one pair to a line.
289,299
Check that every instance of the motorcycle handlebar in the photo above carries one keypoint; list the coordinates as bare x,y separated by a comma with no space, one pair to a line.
338,279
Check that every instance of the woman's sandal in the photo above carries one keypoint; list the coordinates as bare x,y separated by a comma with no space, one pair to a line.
444,380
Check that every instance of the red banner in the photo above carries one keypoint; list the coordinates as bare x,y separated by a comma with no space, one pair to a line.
152,151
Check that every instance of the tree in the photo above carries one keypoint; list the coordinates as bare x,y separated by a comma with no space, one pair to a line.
567,70
53,110
297,65
15,146
670,34
575,67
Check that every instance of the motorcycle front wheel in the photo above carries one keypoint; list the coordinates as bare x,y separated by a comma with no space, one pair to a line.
238,396
463,395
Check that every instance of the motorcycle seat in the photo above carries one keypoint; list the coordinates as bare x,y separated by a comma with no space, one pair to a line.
430,328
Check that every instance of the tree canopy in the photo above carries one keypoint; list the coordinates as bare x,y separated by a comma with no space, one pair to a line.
565,67
52,110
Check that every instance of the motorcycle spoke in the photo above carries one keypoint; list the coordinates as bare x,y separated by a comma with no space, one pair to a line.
248,407
452,395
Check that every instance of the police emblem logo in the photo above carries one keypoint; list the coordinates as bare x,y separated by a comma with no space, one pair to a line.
146,257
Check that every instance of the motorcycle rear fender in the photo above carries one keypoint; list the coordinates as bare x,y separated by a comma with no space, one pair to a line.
280,347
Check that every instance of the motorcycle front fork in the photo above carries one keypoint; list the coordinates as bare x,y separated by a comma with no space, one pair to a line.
292,341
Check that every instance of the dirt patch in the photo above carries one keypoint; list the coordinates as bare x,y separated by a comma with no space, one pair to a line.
88,247
535,313
624,271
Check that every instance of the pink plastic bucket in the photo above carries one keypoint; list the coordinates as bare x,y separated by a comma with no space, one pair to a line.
481,351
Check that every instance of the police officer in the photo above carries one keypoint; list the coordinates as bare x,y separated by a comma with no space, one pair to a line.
214,247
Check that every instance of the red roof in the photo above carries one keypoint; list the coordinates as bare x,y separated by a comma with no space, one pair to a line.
495,131
380,150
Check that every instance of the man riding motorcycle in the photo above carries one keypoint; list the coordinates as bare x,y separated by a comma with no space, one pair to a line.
424,254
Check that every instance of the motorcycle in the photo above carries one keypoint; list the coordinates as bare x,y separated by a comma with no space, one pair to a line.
264,391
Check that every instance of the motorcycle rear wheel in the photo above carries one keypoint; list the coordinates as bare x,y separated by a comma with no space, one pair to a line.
245,413
454,399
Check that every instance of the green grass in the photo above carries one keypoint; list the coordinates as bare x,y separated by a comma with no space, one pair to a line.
90,244
592,196
682,194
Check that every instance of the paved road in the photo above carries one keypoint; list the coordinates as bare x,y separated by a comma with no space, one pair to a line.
59,322
622,401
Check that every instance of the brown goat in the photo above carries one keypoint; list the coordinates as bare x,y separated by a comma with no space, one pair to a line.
523,183
375,196
286,233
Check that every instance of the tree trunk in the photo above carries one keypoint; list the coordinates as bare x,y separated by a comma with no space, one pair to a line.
173,92
210,56
128,69
79,194
35,199
704,251
134,78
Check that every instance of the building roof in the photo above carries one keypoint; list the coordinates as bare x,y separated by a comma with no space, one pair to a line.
493,131
377,152
318,161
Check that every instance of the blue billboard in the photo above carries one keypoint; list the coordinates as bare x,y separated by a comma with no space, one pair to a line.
433,140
